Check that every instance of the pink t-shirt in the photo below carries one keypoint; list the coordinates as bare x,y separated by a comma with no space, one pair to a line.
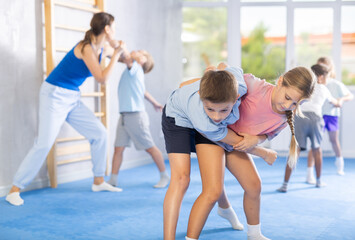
256,114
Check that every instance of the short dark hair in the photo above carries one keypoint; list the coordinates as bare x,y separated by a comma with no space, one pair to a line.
320,69
218,87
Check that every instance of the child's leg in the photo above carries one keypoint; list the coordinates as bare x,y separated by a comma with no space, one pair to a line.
116,165
159,161
339,160
288,172
242,167
212,165
180,179
310,168
226,211
317,154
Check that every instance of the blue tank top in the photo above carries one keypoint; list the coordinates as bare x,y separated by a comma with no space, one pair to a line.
70,73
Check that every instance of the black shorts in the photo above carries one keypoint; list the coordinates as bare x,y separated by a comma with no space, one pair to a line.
180,139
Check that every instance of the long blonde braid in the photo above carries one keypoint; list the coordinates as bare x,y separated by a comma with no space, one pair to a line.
303,80
293,153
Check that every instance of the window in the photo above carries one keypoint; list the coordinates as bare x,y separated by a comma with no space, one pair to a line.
313,36
204,39
268,37
348,45
263,41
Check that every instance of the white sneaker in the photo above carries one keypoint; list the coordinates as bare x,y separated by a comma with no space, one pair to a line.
320,184
105,187
14,199
340,166
311,180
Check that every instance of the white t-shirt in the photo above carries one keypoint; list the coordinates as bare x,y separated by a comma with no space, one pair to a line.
338,90
320,95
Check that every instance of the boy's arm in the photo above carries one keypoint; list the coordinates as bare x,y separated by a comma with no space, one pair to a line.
157,106
347,97
242,142
188,82
234,139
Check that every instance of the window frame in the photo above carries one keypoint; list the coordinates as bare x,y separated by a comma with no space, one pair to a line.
234,35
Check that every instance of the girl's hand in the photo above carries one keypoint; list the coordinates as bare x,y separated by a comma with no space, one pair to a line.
270,156
248,142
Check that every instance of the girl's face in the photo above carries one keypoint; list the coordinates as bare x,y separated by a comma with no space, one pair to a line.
284,98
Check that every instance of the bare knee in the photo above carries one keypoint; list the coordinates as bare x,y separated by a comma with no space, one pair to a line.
180,182
253,189
212,194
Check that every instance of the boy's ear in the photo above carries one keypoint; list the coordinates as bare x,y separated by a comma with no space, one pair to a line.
237,98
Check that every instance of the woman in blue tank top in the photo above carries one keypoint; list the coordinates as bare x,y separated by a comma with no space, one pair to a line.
60,101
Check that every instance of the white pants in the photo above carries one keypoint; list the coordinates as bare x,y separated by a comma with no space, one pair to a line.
57,105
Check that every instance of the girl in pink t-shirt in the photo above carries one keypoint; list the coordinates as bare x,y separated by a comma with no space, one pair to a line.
264,111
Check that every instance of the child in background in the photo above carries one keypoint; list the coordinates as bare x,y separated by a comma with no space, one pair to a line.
264,111
133,123
331,116
311,125
200,107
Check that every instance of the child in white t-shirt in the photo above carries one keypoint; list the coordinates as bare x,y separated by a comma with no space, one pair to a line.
331,116
311,125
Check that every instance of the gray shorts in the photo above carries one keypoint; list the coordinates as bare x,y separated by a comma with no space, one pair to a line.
134,127
311,126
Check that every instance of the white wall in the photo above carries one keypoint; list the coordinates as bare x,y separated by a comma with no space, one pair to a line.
152,25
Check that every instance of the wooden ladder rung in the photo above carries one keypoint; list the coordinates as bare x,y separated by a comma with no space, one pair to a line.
72,149
78,159
91,2
77,7
93,94
70,139
78,29
65,50
99,114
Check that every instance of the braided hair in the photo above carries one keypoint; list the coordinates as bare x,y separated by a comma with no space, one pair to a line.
303,80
